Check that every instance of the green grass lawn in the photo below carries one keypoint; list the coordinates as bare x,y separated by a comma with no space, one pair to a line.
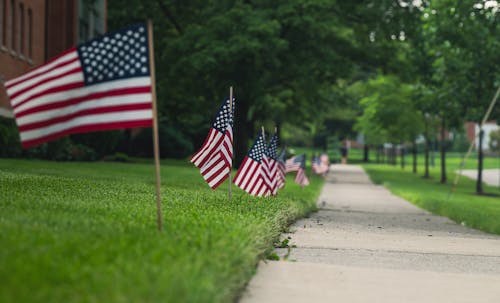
86,232
463,206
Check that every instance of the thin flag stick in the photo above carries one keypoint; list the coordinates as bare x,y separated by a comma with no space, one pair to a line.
230,193
155,124
263,134
462,164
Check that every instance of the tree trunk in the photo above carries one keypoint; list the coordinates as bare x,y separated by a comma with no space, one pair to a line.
402,149
479,182
394,154
415,156
366,153
443,151
242,132
377,154
426,175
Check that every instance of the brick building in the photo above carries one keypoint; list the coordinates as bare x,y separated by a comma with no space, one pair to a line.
34,31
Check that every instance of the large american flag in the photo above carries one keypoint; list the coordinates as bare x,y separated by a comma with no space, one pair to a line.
249,176
281,173
102,84
270,166
214,158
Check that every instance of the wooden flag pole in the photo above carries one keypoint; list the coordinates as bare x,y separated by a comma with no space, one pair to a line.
155,124
263,134
230,193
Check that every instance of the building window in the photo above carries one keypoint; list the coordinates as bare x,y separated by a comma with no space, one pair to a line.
30,34
20,30
12,21
90,19
2,22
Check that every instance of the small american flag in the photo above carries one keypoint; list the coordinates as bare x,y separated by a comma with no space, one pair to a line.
215,155
249,176
270,166
301,177
293,164
319,166
102,84
280,177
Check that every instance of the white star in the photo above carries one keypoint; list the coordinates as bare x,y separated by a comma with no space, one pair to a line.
90,79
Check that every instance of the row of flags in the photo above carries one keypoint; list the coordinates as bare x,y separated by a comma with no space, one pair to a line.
106,84
262,172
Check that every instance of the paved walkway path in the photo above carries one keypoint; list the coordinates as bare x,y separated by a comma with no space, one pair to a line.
367,245
490,176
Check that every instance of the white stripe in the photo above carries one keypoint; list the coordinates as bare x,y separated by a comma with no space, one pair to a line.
87,120
42,77
209,150
241,172
208,173
206,143
68,57
85,91
251,166
255,190
221,175
70,109
255,175
69,79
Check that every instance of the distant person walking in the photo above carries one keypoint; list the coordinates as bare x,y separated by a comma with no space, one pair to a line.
343,153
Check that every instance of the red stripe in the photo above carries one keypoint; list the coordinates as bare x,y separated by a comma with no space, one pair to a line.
208,154
88,128
220,181
242,171
251,172
90,97
214,162
61,88
252,185
15,82
90,111
28,88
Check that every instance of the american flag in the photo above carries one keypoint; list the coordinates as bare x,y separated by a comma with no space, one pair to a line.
293,164
102,84
270,166
215,155
280,177
249,176
301,177
320,164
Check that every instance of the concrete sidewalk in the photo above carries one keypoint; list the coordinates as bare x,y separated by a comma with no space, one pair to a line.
367,245
490,176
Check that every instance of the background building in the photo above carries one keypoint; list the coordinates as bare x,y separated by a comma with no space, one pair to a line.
34,31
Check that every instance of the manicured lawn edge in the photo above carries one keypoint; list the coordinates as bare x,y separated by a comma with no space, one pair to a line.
463,206
86,232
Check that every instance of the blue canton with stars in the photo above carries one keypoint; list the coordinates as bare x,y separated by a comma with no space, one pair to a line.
117,55
257,149
271,149
224,116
